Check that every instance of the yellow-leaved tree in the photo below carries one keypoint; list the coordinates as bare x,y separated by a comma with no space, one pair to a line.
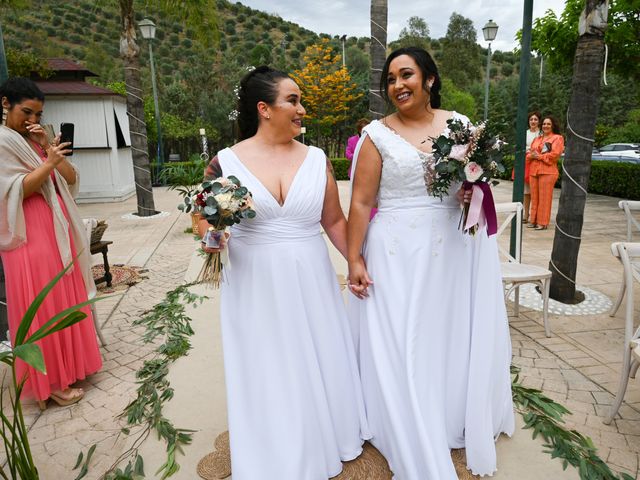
327,94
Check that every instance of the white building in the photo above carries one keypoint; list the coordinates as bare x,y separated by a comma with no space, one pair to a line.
102,145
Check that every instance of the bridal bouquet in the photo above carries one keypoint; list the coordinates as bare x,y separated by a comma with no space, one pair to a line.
223,202
470,154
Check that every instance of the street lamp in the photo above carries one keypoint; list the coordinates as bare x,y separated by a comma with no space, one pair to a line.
344,57
148,30
490,30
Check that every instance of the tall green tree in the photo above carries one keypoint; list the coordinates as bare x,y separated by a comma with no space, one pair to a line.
378,51
415,34
199,15
460,52
581,121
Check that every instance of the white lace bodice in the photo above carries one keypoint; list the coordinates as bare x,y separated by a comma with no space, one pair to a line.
404,167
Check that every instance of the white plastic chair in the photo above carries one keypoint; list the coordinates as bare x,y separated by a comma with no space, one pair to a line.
629,207
515,273
627,252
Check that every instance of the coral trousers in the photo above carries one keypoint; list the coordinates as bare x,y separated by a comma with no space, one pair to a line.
541,198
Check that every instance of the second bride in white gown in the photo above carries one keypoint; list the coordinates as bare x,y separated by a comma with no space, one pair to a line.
433,335
294,399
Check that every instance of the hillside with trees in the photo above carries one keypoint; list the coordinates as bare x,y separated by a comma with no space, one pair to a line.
196,82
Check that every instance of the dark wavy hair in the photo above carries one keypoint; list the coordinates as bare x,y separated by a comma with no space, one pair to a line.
259,85
17,89
427,67
555,126
535,113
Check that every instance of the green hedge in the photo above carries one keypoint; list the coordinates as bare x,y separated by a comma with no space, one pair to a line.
614,179
340,168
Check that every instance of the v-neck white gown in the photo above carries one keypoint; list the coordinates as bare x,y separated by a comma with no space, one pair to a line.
294,401
433,334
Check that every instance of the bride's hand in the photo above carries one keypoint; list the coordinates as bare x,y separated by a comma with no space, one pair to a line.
203,226
359,280
464,196
223,244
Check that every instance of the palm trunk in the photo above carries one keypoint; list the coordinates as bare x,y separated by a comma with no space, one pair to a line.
581,123
378,51
129,51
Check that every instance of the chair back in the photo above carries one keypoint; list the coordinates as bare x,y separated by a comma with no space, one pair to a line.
629,208
512,210
629,254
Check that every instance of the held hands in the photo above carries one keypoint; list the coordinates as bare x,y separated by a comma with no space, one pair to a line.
358,280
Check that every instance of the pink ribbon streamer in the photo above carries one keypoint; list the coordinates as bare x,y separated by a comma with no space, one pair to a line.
482,209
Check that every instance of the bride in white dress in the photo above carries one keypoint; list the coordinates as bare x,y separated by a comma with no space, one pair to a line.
434,342
295,403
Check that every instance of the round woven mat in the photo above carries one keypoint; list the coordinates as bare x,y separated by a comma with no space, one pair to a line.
123,277
371,465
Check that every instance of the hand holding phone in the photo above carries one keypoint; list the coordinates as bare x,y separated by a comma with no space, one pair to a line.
66,135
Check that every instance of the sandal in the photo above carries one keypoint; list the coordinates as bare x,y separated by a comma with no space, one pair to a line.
76,396
532,225
541,227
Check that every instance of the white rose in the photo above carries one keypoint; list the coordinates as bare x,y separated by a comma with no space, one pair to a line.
473,171
458,152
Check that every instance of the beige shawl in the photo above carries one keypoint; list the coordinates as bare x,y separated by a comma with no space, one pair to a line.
17,160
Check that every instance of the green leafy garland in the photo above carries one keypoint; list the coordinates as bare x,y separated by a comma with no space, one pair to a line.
169,321
544,416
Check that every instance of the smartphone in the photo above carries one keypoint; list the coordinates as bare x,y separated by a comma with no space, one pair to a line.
66,135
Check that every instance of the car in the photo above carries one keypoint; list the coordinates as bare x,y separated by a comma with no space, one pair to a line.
618,152
621,149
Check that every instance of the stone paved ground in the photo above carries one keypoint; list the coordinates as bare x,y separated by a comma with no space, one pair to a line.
578,366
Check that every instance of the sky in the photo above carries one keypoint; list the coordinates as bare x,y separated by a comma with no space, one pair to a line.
351,17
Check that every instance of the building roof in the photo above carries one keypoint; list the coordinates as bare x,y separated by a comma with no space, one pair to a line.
71,87
66,65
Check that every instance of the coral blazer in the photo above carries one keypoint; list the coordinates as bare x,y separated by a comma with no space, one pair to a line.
547,161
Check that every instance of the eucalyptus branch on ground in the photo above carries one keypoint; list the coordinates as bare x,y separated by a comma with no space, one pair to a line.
167,321
545,417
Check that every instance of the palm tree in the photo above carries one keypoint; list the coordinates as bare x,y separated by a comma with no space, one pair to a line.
378,54
581,123
199,14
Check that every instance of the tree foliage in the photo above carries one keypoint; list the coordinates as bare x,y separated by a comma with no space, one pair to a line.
327,89
415,34
24,63
460,52
556,37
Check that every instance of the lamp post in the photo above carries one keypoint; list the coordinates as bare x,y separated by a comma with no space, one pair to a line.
490,30
148,30
344,57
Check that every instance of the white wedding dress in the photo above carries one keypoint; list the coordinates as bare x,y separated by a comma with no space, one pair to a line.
434,341
295,405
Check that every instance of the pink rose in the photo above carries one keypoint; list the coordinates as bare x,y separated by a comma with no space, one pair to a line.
473,171
458,152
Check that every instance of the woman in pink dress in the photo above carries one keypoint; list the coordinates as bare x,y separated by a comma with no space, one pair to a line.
41,232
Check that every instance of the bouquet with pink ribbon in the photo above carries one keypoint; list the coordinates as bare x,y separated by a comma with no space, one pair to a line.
470,154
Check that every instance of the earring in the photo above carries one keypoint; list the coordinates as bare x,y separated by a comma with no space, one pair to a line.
268,117
5,112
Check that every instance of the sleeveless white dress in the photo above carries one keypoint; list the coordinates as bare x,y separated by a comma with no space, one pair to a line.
434,345
295,403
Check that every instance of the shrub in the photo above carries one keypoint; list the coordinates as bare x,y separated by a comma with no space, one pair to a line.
340,168
615,179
